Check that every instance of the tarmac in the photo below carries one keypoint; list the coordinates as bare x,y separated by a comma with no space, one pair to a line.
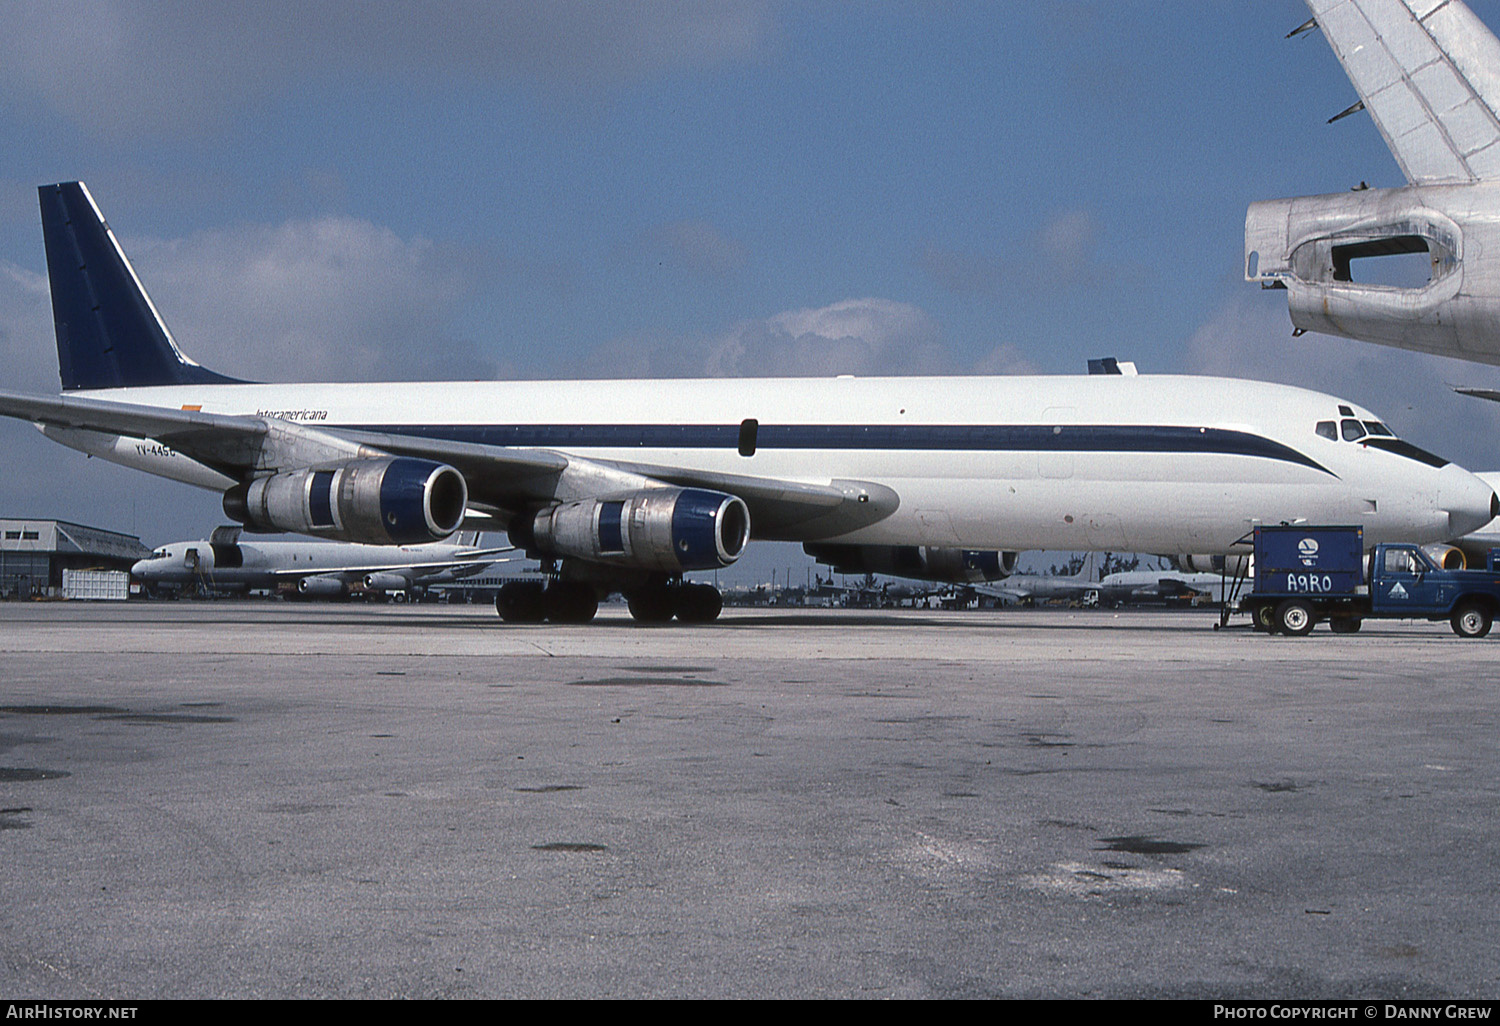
258,799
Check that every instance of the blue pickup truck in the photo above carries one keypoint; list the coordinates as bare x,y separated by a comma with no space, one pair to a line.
1304,575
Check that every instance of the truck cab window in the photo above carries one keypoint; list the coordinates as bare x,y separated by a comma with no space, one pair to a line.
1400,561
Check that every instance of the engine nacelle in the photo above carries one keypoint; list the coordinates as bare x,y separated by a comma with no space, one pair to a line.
1447,557
1200,564
664,529
919,562
388,501
1413,267
387,581
322,587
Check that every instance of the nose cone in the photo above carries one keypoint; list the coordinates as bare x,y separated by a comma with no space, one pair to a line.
1468,501
140,567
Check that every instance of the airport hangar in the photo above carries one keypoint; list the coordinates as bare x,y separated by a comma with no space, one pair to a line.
34,554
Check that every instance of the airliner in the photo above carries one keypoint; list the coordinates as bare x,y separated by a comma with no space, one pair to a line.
326,569
629,485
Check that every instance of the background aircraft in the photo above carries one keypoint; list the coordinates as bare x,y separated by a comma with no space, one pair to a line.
227,562
1033,589
1157,586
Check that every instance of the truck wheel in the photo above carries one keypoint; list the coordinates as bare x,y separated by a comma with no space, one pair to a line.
1471,620
1344,625
1294,617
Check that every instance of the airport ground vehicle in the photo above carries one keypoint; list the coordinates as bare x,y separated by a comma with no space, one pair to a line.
1304,575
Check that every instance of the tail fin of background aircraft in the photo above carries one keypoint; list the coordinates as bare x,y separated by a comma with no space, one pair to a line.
109,334
1429,74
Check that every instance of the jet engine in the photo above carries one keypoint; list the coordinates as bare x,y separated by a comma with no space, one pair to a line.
322,587
1447,557
387,581
922,563
1201,564
670,530
388,501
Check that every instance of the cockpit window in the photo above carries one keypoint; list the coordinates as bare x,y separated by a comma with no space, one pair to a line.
1377,428
1328,429
1353,432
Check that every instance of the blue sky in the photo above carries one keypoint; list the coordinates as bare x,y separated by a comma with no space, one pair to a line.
599,189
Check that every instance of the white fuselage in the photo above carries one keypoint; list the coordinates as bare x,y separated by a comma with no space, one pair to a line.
1163,464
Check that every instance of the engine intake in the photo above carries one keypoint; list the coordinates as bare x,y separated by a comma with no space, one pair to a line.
394,500
922,563
664,529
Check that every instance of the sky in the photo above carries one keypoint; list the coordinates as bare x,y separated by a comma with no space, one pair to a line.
610,188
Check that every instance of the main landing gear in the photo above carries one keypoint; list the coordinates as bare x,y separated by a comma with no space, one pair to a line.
578,601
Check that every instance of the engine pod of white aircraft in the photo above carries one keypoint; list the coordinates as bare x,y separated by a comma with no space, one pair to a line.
918,562
665,529
385,501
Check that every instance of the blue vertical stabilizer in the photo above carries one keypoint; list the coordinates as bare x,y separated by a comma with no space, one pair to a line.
109,335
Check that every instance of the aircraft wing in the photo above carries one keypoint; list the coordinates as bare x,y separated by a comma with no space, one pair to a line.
1428,71
484,558
1010,593
499,477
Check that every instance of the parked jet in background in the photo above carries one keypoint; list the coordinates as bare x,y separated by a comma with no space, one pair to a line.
1034,589
628,485
1130,587
1428,72
225,562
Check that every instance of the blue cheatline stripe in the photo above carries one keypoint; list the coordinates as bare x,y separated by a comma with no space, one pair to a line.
1071,438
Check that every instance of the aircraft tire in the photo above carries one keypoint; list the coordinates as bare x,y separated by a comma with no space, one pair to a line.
698,603
1471,620
570,602
521,602
651,605
1294,618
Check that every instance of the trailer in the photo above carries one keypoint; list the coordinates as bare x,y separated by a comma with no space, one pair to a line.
96,585
1306,575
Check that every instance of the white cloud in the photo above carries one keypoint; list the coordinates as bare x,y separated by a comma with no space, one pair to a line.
1061,253
1251,337
853,336
700,247
867,337
28,350
118,67
332,298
